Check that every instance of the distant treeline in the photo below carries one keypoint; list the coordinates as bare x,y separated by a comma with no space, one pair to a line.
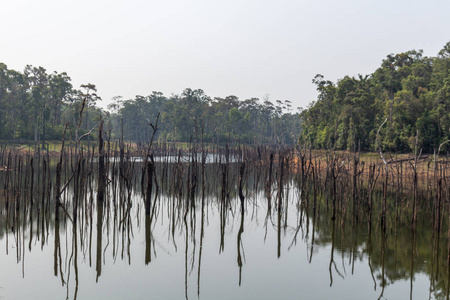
35,105
409,90
193,114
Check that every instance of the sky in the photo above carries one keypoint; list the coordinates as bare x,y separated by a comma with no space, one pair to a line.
246,48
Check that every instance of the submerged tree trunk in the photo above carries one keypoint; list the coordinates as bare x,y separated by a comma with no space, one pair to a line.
101,165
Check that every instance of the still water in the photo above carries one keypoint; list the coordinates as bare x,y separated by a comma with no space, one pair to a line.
209,249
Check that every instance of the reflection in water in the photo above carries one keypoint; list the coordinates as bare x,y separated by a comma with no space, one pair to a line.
98,266
240,247
208,222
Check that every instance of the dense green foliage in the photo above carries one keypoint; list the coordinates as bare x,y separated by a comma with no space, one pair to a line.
184,117
409,90
35,105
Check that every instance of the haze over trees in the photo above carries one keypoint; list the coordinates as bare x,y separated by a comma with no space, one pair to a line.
410,90
36,105
222,119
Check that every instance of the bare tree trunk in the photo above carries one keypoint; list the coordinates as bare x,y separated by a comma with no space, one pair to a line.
101,165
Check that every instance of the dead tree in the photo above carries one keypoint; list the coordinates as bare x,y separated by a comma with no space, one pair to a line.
150,168
383,206
101,165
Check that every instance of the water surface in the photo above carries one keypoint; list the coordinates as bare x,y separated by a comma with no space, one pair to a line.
207,248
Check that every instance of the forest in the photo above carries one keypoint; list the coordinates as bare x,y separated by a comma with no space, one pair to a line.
36,105
409,94
409,91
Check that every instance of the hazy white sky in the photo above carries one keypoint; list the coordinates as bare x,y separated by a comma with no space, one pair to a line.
247,48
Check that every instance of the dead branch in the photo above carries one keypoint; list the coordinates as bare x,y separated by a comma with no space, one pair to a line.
378,143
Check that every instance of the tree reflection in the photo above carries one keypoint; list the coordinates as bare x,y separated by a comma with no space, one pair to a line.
183,210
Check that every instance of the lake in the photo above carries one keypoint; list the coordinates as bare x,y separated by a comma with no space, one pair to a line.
202,245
